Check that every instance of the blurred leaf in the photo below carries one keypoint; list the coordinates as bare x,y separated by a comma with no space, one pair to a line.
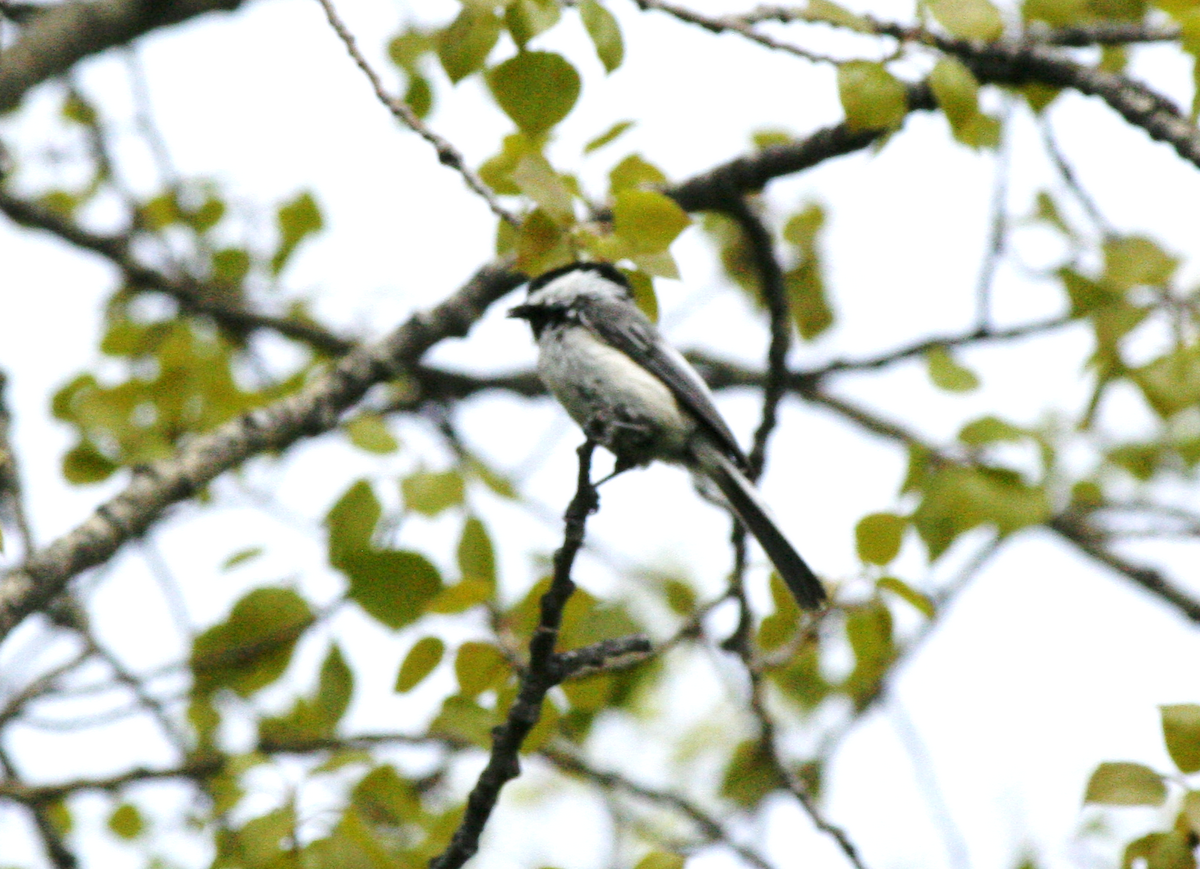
541,244
871,96
369,432
335,686
869,630
476,556
661,860
643,294
1181,732
393,586
420,661
241,557
431,492
987,430
602,27
537,179
251,648
297,219
647,220
806,295
419,95
1056,13
878,537
608,136
463,718
84,464
478,667
1160,851
1125,784
536,89
497,170
957,92
750,775
948,374
527,18
969,19
957,499
1191,810
920,602
1171,383
1133,261
635,171
463,47
126,821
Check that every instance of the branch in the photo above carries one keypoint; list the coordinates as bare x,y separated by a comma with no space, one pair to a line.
59,36
12,504
709,826
316,409
193,296
545,670
447,154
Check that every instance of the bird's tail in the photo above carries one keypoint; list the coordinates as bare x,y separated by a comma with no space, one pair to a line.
745,501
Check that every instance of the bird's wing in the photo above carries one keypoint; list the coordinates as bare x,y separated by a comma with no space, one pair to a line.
638,339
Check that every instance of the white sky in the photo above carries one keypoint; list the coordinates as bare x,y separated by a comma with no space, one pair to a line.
1045,666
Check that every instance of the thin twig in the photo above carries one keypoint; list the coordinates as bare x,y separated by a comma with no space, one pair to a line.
709,826
447,154
545,670
12,503
998,229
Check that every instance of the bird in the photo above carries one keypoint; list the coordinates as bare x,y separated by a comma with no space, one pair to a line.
631,391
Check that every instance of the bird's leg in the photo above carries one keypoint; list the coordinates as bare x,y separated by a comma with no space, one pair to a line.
621,467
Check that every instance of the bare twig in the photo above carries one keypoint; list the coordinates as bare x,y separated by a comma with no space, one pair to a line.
57,851
709,826
545,670
12,504
447,154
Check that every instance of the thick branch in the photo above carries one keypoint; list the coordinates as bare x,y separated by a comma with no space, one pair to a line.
57,38
314,410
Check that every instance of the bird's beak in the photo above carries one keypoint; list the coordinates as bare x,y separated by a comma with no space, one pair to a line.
521,312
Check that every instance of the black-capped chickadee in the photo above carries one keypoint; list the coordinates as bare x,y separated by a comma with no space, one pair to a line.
634,393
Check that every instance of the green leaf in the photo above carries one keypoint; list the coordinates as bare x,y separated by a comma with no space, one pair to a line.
947,374
1056,13
351,521
643,294
1125,784
988,430
335,687
1181,731
84,464
536,178
251,648
463,718
478,667
869,630
957,499
1171,383
393,586
463,47
541,244
872,97
969,19
920,602
635,171
661,860
527,18
241,557
1170,850
476,556
602,27
609,135
536,89
1134,261
1191,810
806,297
957,92
431,492
420,661
647,220
878,537
126,821
369,432
296,220
750,775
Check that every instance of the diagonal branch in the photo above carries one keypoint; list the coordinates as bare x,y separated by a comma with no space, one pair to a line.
59,36
447,154
545,670
314,410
